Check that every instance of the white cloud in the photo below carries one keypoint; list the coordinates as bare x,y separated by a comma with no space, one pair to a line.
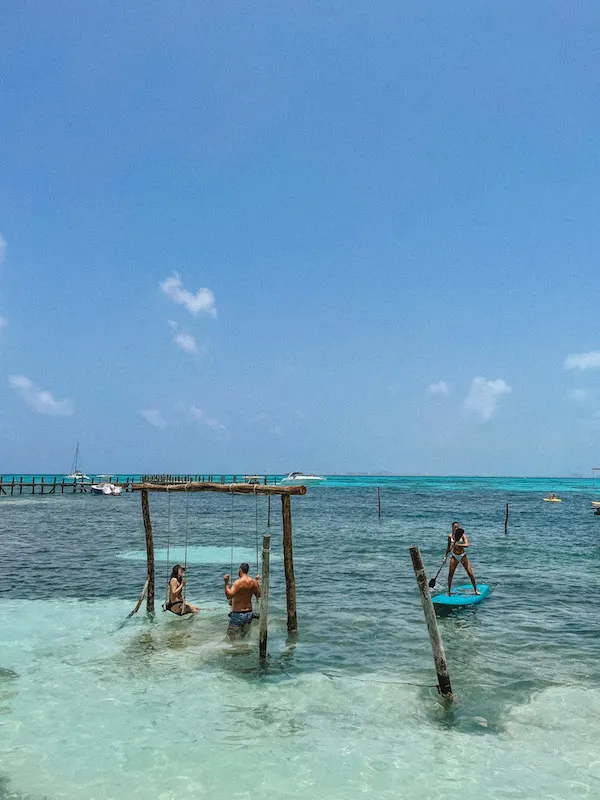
441,387
185,341
40,400
583,360
2,248
197,415
578,395
202,302
483,396
154,417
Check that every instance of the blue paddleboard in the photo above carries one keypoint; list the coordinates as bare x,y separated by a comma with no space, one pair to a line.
462,596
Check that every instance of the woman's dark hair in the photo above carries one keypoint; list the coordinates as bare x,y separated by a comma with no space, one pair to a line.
175,571
458,534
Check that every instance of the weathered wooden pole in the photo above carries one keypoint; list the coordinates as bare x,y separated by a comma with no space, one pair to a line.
288,563
264,596
269,511
506,520
439,657
149,551
379,501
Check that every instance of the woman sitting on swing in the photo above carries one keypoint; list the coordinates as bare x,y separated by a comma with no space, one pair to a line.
176,603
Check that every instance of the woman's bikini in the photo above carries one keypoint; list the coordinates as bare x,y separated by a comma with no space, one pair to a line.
458,556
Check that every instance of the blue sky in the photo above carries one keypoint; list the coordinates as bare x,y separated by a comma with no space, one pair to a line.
320,236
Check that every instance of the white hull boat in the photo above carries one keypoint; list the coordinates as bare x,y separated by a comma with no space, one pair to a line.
300,479
107,488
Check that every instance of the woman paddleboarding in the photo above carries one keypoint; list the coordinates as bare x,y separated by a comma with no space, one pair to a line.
457,549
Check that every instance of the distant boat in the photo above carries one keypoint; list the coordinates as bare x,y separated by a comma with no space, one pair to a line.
254,479
76,475
595,476
300,479
106,487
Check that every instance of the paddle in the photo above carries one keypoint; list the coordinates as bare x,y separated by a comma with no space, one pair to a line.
433,580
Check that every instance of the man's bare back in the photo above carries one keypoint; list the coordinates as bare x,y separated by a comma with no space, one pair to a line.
242,591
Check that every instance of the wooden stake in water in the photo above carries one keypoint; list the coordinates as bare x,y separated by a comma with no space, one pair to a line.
264,596
439,656
288,565
379,501
506,520
149,551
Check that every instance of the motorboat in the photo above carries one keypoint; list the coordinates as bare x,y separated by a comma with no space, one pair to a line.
75,475
300,479
254,480
106,487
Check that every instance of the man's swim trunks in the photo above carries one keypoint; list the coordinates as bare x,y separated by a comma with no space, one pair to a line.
239,618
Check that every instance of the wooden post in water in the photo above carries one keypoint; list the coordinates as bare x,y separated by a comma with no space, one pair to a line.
439,657
268,511
264,596
149,551
288,563
379,501
506,520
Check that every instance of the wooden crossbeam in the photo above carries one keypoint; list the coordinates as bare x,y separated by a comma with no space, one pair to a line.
206,486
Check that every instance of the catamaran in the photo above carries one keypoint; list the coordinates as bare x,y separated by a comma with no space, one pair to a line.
595,477
76,475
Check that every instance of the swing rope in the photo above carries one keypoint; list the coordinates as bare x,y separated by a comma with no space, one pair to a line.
185,553
232,534
256,526
168,575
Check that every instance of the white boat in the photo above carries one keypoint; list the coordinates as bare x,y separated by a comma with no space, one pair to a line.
106,487
75,474
300,479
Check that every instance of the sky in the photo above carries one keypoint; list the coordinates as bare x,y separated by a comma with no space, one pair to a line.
300,236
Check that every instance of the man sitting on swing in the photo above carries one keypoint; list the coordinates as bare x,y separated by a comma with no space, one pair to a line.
240,595
176,603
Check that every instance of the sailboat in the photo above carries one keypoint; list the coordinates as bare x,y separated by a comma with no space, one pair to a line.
595,476
76,475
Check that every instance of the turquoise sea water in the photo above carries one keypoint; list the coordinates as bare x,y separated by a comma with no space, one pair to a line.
168,708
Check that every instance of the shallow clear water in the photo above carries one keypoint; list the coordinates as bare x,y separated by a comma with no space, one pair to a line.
168,708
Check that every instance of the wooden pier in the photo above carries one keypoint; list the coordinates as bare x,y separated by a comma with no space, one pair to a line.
61,484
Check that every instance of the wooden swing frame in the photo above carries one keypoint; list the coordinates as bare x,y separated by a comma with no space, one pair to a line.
230,488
